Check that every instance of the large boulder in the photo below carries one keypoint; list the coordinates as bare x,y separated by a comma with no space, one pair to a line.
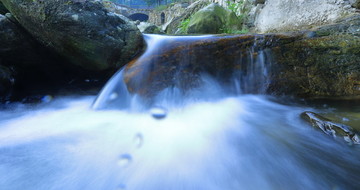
319,63
292,15
325,64
28,68
213,19
83,31
3,10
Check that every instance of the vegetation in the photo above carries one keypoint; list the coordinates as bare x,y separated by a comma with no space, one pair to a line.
184,25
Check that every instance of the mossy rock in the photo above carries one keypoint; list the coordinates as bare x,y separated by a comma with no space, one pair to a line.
318,67
213,19
83,31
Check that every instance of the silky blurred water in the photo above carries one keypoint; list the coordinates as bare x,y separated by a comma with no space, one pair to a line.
239,142
211,137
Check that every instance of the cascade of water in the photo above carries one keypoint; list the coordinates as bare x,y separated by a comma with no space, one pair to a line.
207,128
175,66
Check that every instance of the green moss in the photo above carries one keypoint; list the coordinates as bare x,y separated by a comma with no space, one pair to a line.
213,19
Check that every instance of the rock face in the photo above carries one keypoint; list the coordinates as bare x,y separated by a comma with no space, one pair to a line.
83,31
213,19
293,15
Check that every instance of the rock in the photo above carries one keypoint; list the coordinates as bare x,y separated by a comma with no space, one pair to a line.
290,15
6,83
308,64
213,19
323,64
3,10
330,128
149,28
259,2
83,31
180,63
349,25
356,4
28,68
173,23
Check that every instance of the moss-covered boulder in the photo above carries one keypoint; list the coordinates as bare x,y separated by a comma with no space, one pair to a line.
324,64
172,27
213,19
83,31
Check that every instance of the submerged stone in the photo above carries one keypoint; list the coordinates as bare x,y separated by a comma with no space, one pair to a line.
331,128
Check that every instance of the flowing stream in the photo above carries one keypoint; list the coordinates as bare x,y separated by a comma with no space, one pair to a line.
213,137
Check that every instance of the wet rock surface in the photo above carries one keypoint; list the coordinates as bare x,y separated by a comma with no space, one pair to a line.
308,64
330,128
180,63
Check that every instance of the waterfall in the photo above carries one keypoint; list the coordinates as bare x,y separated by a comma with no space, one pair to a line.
182,67
191,113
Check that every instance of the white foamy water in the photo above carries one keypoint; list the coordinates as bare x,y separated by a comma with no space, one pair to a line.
243,142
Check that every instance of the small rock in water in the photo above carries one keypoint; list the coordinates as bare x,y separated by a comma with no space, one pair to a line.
158,112
331,128
124,160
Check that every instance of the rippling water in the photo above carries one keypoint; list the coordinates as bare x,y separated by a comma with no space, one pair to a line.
240,142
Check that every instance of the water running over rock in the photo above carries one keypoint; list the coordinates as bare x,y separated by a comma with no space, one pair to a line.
186,134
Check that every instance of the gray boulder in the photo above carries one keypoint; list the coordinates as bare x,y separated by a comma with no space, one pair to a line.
83,31
290,15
